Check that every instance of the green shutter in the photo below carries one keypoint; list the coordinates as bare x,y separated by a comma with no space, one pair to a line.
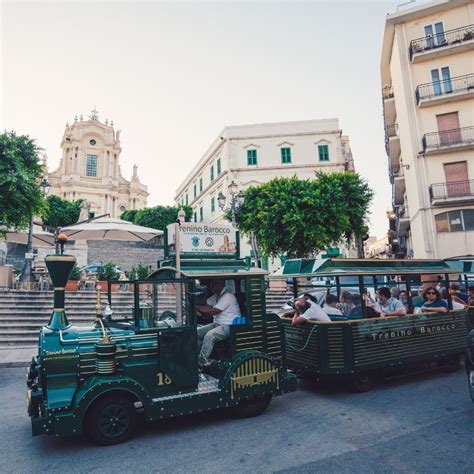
187,200
323,152
201,214
251,157
218,167
195,217
195,190
286,155
212,172
213,204
200,185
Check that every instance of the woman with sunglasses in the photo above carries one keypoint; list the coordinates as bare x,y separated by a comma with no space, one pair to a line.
433,301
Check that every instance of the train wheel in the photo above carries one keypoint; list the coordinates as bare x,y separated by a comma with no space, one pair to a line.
111,420
253,407
452,364
362,382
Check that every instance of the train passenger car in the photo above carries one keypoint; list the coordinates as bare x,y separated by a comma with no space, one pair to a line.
360,347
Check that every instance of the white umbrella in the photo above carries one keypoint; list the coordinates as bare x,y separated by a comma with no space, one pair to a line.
40,237
110,229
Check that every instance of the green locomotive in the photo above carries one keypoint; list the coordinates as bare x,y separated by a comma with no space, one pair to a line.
92,379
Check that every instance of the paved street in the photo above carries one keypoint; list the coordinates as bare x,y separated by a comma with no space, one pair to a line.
417,424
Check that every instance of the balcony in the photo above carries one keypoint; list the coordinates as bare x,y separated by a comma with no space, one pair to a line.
403,220
389,111
441,92
446,194
448,140
442,44
392,144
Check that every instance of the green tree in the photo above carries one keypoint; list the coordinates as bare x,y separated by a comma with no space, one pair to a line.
157,217
129,215
20,175
302,217
60,212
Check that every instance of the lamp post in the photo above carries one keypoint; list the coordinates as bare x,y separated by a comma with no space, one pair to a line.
236,201
27,274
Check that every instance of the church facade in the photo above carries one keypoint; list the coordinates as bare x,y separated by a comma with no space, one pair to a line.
89,169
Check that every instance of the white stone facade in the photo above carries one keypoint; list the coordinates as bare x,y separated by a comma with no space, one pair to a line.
427,71
89,169
253,154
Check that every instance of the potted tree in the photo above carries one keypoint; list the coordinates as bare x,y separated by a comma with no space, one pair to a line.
74,279
106,273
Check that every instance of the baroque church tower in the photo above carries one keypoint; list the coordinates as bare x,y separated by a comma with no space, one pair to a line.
89,169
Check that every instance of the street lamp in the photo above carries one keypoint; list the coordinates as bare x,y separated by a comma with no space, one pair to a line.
236,200
27,274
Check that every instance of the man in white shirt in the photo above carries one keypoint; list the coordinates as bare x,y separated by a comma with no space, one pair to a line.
224,307
305,311
330,307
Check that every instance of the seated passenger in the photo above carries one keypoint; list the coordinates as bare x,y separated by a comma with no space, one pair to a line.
433,302
386,305
455,291
345,304
224,307
457,302
330,306
305,311
403,298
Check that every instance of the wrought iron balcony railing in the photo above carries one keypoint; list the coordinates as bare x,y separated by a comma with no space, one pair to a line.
439,40
448,138
451,191
387,92
445,87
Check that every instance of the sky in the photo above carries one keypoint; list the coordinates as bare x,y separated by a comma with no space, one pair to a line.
171,75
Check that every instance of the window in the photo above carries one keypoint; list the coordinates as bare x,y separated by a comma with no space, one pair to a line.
187,199
285,155
201,214
435,36
200,184
195,190
455,221
251,157
92,142
212,172
195,217
91,165
213,204
218,165
323,152
441,82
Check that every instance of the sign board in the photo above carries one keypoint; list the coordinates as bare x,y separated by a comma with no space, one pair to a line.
203,239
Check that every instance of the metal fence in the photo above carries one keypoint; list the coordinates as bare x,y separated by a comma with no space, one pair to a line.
446,38
446,138
444,87
456,189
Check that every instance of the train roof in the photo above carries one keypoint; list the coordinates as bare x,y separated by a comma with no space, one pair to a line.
310,267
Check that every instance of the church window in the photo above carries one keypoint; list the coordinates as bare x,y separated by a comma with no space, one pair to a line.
92,142
91,165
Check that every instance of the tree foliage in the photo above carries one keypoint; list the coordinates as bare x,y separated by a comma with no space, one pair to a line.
302,217
157,217
61,212
20,176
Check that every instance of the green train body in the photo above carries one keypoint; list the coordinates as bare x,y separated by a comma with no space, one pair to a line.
84,376
361,349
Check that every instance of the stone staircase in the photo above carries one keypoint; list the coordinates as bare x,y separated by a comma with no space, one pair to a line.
23,313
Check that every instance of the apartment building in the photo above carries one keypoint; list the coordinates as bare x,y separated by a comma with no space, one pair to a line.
248,155
427,75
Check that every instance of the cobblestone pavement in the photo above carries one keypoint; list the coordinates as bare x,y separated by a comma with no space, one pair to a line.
416,424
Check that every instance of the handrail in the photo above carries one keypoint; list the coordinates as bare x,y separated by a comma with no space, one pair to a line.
444,87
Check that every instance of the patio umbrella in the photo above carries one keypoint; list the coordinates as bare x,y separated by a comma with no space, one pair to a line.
40,237
110,229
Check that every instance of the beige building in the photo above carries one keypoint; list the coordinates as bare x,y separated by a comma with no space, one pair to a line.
427,72
89,169
252,154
